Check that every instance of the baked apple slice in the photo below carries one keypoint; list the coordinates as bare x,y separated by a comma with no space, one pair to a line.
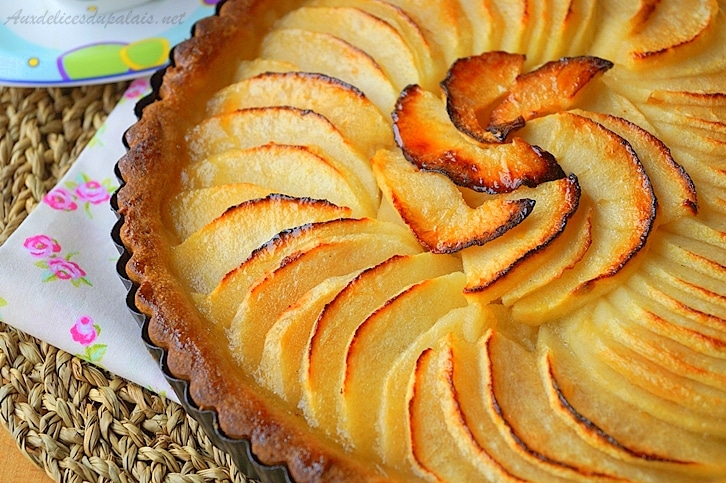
392,443
473,85
347,108
430,141
436,211
548,89
515,19
532,430
625,211
571,28
366,32
284,169
585,398
453,455
283,286
247,128
321,52
252,68
489,268
563,253
672,186
191,209
221,304
323,368
286,341
428,64
199,260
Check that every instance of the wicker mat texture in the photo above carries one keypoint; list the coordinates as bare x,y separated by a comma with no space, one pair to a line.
74,420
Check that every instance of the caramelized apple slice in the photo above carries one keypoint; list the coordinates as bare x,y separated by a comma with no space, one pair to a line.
624,211
321,52
365,31
428,64
489,267
191,210
473,84
353,114
298,274
221,305
436,211
284,169
430,141
201,262
550,88
581,395
323,370
252,127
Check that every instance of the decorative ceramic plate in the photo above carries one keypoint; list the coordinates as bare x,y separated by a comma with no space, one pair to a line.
71,42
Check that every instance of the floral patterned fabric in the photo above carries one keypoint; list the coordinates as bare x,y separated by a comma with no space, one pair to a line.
58,278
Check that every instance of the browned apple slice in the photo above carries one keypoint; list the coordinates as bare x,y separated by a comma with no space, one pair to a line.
473,84
343,105
323,370
430,141
433,409
625,210
585,398
247,128
192,209
221,304
428,64
436,211
672,186
708,259
201,263
550,88
321,52
489,267
298,274
300,171
364,31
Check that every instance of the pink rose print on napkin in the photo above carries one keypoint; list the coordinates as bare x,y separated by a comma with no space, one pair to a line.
48,252
85,332
138,88
85,191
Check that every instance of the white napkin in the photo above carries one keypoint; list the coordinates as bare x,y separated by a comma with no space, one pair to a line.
58,279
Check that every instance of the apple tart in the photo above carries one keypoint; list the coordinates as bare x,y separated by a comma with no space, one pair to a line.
443,241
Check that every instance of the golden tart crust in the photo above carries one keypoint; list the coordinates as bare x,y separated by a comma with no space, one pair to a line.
223,377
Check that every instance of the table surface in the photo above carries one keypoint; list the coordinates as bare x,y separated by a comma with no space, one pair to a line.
14,465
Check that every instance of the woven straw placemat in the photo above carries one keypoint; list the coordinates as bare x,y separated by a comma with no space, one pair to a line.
72,419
